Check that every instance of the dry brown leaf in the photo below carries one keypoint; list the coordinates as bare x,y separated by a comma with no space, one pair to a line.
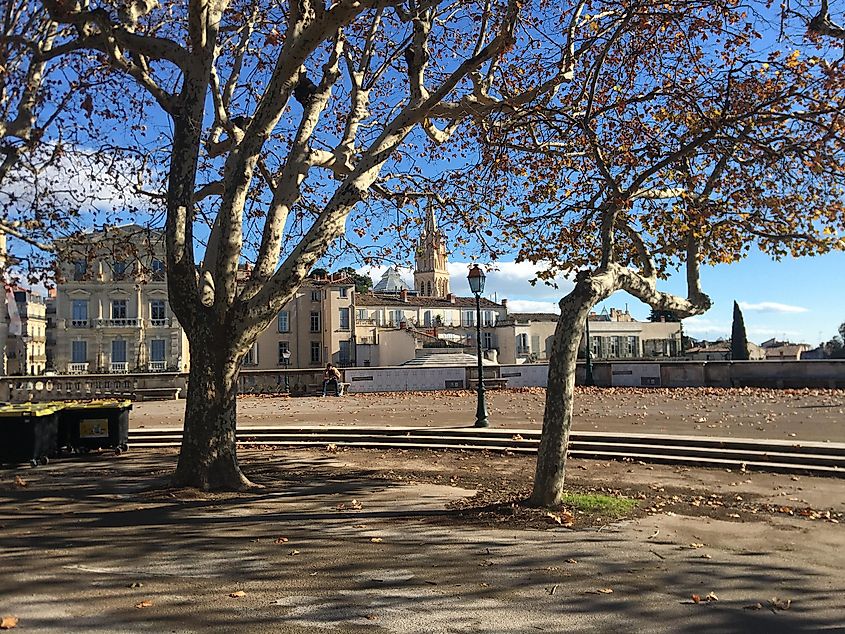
238,594
376,540
605,590
146,603
20,482
8,621
779,604
372,617
696,598
293,552
280,540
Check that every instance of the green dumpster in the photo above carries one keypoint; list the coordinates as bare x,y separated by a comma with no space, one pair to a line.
88,425
28,433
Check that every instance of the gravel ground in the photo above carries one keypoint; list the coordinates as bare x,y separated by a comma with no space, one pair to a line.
813,415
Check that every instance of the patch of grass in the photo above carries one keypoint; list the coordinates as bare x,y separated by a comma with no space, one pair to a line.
599,503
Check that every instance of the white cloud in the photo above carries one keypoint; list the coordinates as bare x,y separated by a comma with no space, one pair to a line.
506,280
771,307
702,327
530,306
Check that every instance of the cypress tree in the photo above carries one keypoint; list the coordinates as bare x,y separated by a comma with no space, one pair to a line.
739,342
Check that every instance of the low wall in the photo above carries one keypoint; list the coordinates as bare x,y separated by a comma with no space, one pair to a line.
770,374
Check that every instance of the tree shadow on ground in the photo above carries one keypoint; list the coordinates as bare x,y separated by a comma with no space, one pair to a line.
80,533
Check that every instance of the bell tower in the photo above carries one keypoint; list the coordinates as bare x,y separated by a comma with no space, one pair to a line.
431,275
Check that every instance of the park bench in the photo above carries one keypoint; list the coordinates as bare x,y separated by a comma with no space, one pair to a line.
156,393
489,384
317,389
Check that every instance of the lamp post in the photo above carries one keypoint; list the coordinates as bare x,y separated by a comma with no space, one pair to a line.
476,284
286,359
588,379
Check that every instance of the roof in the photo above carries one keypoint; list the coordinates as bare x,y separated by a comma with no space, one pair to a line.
367,299
391,282
522,318
447,359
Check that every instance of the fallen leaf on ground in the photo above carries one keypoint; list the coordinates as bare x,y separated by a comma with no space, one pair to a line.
8,622
146,603
293,552
601,591
237,594
571,561
696,545
331,448
376,540
135,584
20,482
280,540
372,617
779,604
753,606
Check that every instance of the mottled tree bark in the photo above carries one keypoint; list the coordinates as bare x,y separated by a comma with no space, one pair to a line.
560,392
208,457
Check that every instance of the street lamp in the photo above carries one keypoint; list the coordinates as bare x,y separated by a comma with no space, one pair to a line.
286,359
476,284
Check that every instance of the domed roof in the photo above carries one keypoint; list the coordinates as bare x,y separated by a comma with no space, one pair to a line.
391,282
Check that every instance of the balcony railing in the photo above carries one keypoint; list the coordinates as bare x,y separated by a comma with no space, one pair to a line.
77,368
79,323
159,323
119,367
523,350
157,366
122,322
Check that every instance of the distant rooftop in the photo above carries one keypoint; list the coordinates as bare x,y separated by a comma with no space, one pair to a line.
391,282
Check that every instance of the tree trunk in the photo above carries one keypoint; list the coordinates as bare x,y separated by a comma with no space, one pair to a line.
557,418
208,457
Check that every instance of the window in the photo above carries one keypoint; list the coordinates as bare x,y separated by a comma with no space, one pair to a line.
361,314
614,346
118,351
157,266
345,353
284,353
427,318
469,318
157,350
118,308
80,268
284,321
488,318
251,357
79,351
157,310
315,352
595,346
632,346
487,340
79,312
119,268
535,344
344,318
316,296
315,321
343,291
522,344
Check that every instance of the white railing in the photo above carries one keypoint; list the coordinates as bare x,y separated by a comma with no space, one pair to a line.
124,322
77,368
78,323
121,367
159,323
157,366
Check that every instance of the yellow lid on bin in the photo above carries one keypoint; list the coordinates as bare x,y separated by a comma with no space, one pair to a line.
17,410
101,404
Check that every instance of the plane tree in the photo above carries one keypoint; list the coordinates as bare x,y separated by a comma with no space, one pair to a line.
688,140
278,119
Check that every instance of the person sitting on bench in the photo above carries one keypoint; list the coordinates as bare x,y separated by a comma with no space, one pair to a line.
331,376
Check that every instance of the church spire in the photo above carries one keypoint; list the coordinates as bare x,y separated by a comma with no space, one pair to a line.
430,220
431,275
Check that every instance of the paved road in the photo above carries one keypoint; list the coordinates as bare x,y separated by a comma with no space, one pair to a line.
817,415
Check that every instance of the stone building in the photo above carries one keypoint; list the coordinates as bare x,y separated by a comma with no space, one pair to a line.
431,273
26,342
314,328
112,311
527,337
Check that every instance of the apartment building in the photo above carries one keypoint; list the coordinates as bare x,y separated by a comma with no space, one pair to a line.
111,308
26,343
314,328
615,334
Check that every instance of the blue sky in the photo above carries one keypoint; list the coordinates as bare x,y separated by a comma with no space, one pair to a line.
801,299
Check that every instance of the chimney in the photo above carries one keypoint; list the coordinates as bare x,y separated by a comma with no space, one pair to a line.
505,304
450,298
403,295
